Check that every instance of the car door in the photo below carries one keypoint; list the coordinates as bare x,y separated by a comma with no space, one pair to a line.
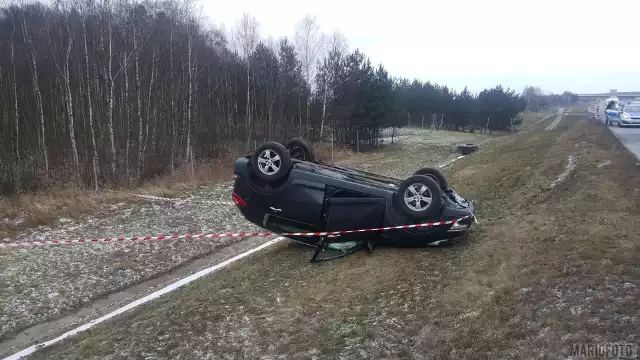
299,205
354,213
346,210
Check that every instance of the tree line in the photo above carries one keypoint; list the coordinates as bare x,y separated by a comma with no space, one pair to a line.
537,100
103,93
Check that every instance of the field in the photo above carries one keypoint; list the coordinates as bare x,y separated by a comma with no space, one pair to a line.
554,261
49,289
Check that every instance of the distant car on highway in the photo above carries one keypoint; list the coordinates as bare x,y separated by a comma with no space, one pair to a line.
630,114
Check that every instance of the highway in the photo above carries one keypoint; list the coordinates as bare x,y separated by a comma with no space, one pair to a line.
629,137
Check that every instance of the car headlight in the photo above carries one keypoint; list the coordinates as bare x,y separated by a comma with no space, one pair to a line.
624,116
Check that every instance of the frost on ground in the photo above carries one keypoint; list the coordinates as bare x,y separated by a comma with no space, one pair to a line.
39,284
412,149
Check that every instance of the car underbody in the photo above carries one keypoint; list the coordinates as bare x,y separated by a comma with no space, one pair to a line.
283,189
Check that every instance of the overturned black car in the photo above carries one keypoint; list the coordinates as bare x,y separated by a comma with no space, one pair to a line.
284,189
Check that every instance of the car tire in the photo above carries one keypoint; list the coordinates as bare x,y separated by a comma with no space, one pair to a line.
419,208
300,149
466,149
436,175
265,167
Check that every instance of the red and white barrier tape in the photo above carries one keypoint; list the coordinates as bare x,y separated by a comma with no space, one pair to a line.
215,236
431,224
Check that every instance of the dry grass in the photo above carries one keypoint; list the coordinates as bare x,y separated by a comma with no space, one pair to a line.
545,268
21,213
324,153
26,211
531,118
185,178
552,266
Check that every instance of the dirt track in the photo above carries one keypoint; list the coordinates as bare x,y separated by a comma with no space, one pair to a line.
542,271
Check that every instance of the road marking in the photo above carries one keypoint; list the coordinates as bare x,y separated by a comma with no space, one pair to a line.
176,285
451,161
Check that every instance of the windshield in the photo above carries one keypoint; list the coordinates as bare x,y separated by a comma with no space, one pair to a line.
633,109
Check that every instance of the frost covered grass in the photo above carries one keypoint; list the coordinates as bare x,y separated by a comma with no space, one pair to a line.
45,282
415,149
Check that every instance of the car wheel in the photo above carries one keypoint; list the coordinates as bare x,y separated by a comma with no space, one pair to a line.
271,161
466,149
436,175
419,197
300,149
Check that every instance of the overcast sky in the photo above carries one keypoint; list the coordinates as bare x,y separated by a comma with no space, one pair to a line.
555,44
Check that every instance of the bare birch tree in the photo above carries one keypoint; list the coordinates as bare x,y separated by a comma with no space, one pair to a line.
172,112
110,91
16,114
70,112
92,132
246,37
308,44
138,99
188,152
38,97
333,48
